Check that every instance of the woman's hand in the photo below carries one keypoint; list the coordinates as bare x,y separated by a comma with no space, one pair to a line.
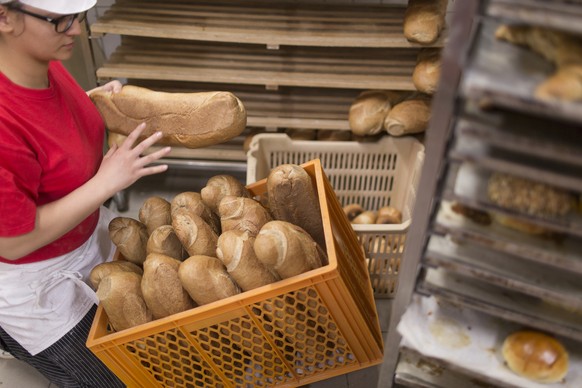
123,165
112,87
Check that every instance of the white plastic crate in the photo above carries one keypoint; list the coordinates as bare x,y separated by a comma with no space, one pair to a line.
371,174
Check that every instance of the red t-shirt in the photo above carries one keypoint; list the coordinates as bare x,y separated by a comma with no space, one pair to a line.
51,142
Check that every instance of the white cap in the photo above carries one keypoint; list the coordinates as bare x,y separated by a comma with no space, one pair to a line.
61,7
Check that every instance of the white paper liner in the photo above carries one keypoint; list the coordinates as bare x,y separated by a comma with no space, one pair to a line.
472,341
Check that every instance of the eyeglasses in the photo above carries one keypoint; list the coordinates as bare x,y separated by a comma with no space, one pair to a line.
62,23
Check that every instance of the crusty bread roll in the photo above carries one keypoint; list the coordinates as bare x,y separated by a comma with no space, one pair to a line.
287,249
194,233
529,197
367,112
189,120
293,198
389,215
353,210
427,71
161,286
536,356
561,48
130,236
365,218
120,295
155,212
193,202
164,241
240,213
206,279
218,187
235,250
104,269
409,116
424,20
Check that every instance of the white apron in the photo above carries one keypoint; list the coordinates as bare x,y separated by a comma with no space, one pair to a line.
41,302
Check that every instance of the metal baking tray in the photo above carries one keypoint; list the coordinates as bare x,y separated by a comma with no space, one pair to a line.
560,287
562,253
564,15
500,302
500,74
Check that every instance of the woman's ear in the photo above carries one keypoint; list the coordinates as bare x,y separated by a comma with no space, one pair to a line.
6,19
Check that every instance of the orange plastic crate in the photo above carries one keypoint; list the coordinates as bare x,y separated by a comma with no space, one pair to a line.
307,328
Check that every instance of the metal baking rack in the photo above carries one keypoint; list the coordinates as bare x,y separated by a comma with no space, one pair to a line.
486,120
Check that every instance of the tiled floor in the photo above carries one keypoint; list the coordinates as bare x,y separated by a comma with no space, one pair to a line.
16,374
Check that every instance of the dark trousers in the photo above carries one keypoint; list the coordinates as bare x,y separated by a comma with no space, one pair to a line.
68,363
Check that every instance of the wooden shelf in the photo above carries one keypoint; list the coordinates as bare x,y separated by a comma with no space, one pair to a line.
177,60
268,23
285,107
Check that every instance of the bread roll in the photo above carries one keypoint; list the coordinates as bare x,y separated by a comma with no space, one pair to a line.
293,198
287,249
155,212
164,241
352,211
389,215
104,269
193,202
240,213
427,71
409,116
218,187
561,48
194,233
365,218
130,237
189,120
424,20
235,250
206,280
529,197
161,286
535,356
120,295
367,112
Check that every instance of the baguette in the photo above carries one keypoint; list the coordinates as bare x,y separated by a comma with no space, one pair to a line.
161,286
130,236
206,280
424,20
189,120
292,198
235,250
287,249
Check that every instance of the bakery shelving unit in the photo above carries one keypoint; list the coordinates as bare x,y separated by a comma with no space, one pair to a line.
486,120
295,65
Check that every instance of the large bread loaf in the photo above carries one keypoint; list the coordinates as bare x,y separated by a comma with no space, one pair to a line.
206,279
190,120
104,269
292,198
131,238
235,250
121,298
240,213
218,187
164,241
161,286
192,202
